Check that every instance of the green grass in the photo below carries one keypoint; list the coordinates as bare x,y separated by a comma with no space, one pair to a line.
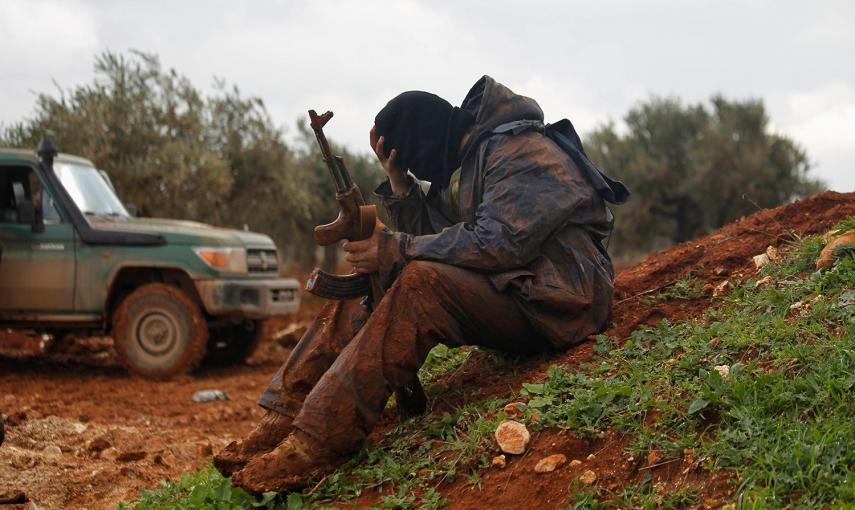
686,288
781,423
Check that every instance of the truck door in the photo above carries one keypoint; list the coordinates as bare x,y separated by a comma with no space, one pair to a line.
38,269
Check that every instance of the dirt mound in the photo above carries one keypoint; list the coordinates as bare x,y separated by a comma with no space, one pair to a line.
724,255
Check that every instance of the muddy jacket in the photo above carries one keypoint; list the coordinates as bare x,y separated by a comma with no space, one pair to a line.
519,210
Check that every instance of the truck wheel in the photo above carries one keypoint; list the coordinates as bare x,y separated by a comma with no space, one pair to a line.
159,332
233,344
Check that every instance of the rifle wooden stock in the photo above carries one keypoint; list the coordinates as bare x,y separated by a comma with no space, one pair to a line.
355,220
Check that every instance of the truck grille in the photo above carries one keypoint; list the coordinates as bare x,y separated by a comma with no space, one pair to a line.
262,261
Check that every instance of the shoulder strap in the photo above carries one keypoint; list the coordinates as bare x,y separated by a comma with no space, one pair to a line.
564,135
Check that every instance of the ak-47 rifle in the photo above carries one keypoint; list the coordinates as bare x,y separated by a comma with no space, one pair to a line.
356,221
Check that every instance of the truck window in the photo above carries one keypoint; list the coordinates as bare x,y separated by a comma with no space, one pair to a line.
19,184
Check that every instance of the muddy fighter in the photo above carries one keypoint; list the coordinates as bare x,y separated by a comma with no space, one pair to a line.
505,250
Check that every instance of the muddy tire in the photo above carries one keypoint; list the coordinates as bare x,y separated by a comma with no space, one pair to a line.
159,332
233,344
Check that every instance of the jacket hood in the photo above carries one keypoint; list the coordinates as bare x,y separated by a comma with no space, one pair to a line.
493,104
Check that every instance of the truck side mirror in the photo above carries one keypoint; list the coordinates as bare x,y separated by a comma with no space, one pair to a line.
38,224
26,211
28,214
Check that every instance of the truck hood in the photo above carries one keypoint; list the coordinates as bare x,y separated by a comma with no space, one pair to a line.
185,232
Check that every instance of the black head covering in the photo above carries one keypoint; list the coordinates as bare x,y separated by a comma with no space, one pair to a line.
426,131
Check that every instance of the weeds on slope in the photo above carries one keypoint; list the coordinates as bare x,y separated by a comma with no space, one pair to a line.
762,386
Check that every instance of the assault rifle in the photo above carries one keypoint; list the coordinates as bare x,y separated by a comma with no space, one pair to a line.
355,222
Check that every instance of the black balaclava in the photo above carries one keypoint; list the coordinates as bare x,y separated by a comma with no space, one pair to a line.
426,131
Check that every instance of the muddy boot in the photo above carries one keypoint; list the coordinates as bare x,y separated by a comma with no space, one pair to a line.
269,432
288,466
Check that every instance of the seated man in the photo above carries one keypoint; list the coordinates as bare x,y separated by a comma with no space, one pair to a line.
504,251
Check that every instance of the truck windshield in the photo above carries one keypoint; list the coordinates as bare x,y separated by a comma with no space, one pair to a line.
90,191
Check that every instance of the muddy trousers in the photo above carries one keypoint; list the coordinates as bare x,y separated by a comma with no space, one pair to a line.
338,378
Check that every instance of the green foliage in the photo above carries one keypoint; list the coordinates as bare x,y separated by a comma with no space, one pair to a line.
441,360
694,168
780,420
770,399
686,288
203,490
414,459
173,152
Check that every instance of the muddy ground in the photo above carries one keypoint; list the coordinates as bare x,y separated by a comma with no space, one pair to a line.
81,433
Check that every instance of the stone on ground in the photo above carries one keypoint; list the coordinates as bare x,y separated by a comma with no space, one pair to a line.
52,451
826,256
588,477
512,410
550,463
512,436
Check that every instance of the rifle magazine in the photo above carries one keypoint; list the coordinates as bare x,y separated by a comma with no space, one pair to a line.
339,287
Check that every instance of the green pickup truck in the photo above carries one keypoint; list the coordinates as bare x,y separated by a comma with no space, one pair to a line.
171,293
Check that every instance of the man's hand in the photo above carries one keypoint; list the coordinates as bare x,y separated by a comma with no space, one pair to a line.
364,255
397,176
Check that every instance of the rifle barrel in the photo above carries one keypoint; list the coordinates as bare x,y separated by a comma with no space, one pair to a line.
336,167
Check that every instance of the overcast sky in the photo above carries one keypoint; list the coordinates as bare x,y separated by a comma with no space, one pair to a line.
589,61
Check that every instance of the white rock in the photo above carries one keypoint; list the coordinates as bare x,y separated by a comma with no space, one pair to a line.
772,253
52,451
721,288
512,410
760,260
512,436
550,463
766,280
723,371
588,477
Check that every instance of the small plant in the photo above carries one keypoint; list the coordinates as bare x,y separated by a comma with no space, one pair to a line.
686,289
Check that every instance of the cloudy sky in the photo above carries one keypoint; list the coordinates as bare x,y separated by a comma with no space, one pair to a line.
589,61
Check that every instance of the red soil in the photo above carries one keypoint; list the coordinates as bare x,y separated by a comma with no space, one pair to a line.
118,434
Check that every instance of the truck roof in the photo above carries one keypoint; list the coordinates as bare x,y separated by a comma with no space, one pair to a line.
30,156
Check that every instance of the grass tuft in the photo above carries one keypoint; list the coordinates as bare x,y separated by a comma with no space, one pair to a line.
761,388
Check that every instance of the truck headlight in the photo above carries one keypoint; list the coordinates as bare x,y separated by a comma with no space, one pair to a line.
232,260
